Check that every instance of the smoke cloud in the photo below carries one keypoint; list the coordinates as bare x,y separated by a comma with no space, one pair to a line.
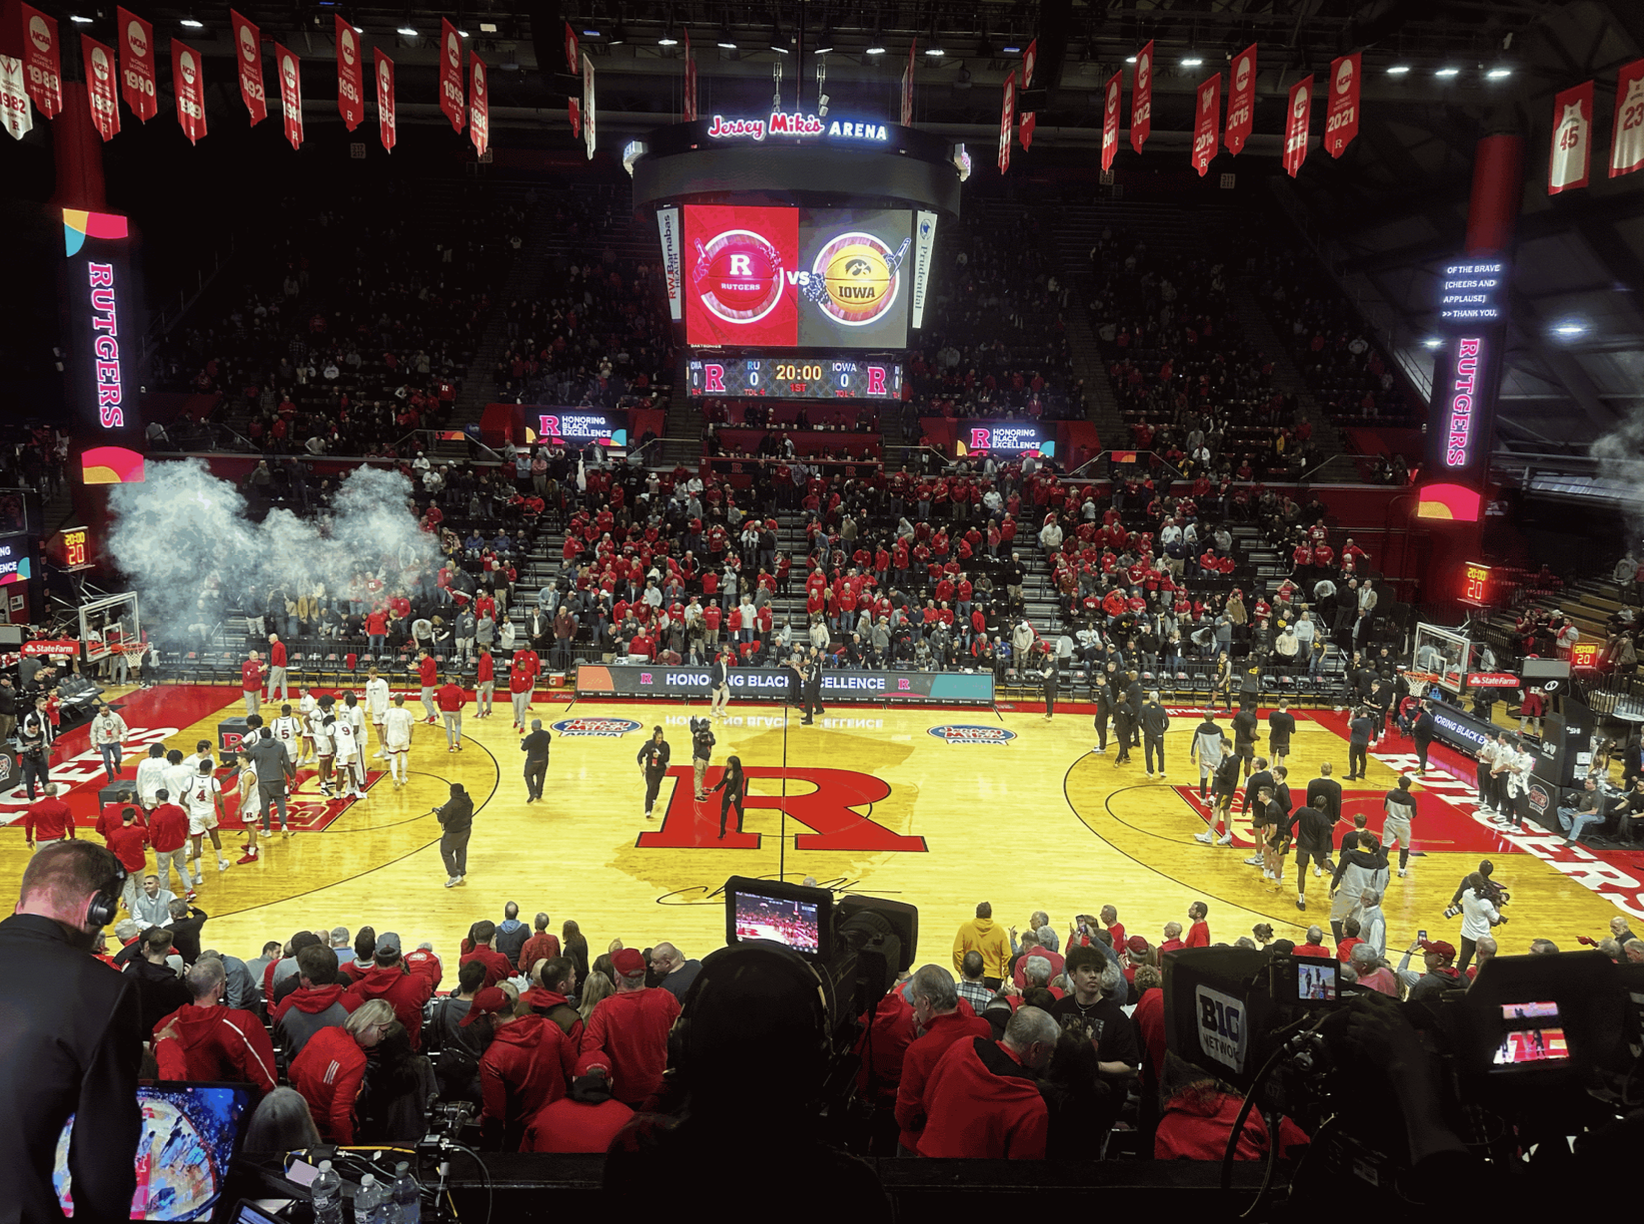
192,552
1619,459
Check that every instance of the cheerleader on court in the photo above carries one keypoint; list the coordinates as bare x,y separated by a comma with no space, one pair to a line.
734,787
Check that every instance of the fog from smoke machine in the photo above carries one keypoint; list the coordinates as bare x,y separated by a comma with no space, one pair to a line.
192,552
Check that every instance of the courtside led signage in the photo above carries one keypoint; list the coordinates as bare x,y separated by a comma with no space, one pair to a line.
579,427
1013,438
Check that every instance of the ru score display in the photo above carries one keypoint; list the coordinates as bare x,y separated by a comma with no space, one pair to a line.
794,378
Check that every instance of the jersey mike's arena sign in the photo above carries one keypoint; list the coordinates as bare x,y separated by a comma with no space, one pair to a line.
962,733
603,728
785,123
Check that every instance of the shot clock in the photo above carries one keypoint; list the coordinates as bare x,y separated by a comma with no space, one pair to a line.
819,378
70,549
1478,584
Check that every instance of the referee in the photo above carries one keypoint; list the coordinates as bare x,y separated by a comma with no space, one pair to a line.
812,688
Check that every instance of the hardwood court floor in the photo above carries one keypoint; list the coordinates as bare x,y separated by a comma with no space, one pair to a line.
1014,810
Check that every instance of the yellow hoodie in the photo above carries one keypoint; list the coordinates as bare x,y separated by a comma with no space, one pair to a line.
989,941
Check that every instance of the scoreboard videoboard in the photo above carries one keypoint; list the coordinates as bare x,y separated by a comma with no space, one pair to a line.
794,378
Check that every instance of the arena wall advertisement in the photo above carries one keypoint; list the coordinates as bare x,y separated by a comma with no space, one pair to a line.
780,684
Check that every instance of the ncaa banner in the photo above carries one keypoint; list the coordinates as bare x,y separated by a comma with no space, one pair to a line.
1003,151
1029,63
588,108
570,39
100,95
906,100
451,74
384,70
1295,145
480,120
290,73
351,100
1627,151
190,86
1142,87
926,234
1343,104
249,59
1112,122
1205,145
137,65
669,235
1570,138
15,107
690,111
42,61
1243,93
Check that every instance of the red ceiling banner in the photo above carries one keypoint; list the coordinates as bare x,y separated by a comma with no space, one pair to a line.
572,117
1143,77
384,69
42,61
571,40
1296,144
290,73
1029,62
1112,121
480,106
1205,145
1570,138
1626,155
451,74
1009,93
100,94
1343,104
189,83
1026,129
351,87
249,61
1243,92
137,65
691,108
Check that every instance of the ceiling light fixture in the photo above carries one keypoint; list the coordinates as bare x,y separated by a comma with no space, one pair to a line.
935,52
488,27
1132,59
1398,69
875,49
1011,49
78,20
1431,342
667,41
189,23
407,32
1446,73
1498,74
1191,61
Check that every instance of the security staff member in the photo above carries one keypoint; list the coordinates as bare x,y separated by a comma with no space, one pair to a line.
1156,722
457,818
34,736
812,690
535,744
653,759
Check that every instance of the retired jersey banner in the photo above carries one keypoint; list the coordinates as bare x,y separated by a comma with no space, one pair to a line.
690,110
451,74
384,71
249,59
1026,128
1570,139
1627,151
189,84
1029,62
100,91
1243,93
906,103
290,73
137,65
1295,146
1112,122
588,108
480,102
351,87
1343,104
1142,78
1003,151
15,108
1205,145
42,61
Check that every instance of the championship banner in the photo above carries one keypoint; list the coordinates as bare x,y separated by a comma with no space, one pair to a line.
190,87
1112,121
573,117
384,70
1029,64
570,39
451,74
100,95
1296,144
42,61
1243,93
690,111
1003,151
351,89
480,103
669,236
780,684
15,107
249,60
1627,144
1343,104
1141,83
1205,145
588,108
137,65
906,106
1570,138
1026,128
290,72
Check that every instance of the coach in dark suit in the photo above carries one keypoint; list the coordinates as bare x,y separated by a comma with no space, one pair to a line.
812,689
71,1042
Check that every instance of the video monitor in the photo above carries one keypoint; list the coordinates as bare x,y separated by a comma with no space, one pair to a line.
1304,980
790,914
1533,1035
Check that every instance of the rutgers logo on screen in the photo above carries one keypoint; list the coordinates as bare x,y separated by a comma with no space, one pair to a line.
829,810
740,276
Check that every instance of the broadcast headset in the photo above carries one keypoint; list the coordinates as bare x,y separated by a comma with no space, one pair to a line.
105,903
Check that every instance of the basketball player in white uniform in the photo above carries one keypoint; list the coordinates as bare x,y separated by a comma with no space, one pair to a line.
346,747
307,708
204,800
355,715
397,738
377,705
288,729
320,729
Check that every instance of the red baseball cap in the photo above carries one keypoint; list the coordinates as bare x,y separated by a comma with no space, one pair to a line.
1137,945
628,962
488,1002
1440,947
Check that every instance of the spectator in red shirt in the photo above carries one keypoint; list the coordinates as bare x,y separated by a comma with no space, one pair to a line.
332,1065
520,693
627,1037
1199,936
1171,937
945,1018
130,844
208,1041
450,702
251,682
496,963
428,672
277,669
981,1100
541,946
47,821
169,835
388,979
1312,945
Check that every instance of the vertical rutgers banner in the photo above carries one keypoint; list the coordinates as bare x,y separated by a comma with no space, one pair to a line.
1570,138
137,65
1205,145
1026,129
105,331
689,111
906,97
480,102
100,95
249,58
1112,122
1243,91
1459,439
1142,80
1626,154
290,74
1003,151
190,87
451,74
574,117
1343,104
351,88
15,107
42,61
1295,145
385,74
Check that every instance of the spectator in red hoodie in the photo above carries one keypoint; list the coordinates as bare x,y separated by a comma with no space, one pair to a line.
315,1004
944,1018
554,982
1197,1117
329,1071
208,1041
981,1100
585,1120
525,1068
389,979
497,964
627,1037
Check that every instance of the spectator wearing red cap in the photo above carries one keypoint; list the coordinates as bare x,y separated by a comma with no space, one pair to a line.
525,1068
981,1100
329,1071
208,1041
389,979
627,1037
1137,956
496,963
945,1018
1439,973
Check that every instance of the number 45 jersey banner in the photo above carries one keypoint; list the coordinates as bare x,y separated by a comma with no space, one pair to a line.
1570,138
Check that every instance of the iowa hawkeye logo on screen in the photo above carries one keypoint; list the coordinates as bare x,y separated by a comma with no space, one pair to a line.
740,277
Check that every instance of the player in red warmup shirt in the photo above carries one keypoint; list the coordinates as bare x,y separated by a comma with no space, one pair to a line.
251,682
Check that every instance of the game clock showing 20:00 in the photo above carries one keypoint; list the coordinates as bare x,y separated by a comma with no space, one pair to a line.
795,378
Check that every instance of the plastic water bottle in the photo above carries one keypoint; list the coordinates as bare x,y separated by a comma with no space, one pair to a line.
371,1202
408,1199
326,1195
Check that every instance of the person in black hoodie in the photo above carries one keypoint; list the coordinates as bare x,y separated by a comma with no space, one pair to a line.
1311,826
160,991
1100,716
1155,723
1125,714
456,817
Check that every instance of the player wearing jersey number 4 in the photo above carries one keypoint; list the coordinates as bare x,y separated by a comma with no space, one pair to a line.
204,800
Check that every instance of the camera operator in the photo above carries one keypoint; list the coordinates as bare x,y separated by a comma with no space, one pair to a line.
703,742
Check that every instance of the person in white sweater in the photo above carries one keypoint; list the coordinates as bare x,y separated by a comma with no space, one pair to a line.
1480,917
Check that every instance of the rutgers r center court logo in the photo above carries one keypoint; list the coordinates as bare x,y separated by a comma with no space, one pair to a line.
962,733
607,728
